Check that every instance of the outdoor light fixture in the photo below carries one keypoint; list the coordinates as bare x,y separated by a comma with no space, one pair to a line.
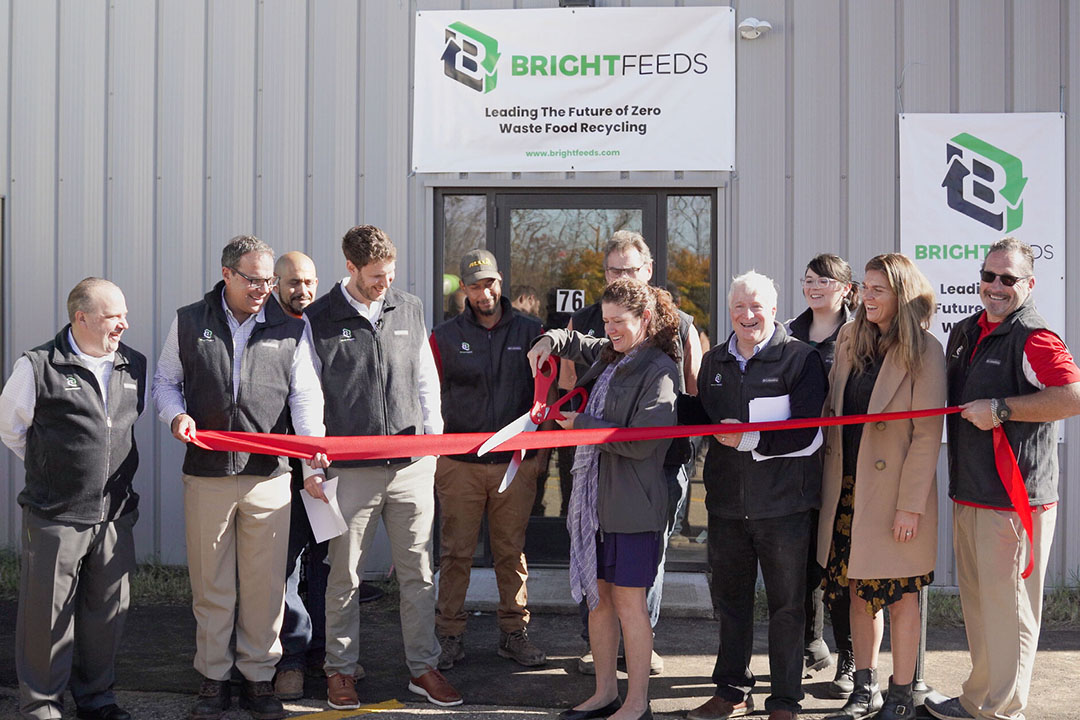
752,28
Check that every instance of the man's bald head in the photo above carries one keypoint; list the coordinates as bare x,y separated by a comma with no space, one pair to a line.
297,281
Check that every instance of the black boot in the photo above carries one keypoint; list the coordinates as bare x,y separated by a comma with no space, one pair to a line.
865,699
844,682
898,703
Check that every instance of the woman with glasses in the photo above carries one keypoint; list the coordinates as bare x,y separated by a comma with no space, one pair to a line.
877,538
831,299
618,507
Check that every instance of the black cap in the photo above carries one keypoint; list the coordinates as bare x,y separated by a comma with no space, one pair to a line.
478,265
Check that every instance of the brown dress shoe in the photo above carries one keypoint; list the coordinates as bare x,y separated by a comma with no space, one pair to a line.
341,692
436,688
783,715
717,708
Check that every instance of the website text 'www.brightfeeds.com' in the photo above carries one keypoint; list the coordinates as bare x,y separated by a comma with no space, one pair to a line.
563,154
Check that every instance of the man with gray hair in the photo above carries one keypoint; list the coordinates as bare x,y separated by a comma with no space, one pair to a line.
234,361
760,491
68,410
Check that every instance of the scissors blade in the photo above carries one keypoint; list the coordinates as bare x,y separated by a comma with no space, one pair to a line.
520,425
511,471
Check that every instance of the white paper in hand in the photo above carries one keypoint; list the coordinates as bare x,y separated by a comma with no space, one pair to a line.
325,518
771,409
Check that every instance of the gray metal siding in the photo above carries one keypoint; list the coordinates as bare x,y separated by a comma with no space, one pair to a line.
140,135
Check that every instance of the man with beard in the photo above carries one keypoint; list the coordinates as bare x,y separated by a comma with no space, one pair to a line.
1007,370
379,378
486,383
303,629
69,410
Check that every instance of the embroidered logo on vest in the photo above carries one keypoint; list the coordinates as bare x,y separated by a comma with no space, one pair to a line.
72,383
346,335
466,348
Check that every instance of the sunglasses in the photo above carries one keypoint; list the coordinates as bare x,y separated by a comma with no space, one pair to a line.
1007,280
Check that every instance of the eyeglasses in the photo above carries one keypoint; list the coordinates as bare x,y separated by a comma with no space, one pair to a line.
1007,280
257,283
623,272
818,282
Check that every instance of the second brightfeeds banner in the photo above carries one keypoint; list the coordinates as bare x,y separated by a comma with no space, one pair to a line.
574,89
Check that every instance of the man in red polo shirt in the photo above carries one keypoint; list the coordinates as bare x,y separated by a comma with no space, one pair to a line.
1010,373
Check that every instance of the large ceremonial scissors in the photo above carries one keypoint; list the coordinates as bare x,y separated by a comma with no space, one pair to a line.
541,411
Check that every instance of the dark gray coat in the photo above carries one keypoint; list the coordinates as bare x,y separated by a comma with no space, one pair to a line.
632,495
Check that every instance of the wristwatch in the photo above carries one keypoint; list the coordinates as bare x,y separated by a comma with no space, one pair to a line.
1000,411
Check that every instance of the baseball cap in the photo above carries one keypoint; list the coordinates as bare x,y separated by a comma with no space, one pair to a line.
478,265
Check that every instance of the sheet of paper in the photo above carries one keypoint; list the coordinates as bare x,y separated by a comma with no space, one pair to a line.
325,518
771,409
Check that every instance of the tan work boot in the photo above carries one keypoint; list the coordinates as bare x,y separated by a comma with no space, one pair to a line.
517,646
289,684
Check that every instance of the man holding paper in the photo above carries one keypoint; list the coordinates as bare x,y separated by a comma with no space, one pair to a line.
233,361
761,488
379,378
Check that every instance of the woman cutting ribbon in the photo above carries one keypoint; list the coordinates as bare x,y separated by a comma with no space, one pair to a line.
877,536
618,506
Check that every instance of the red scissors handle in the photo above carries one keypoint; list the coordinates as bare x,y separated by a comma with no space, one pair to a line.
545,376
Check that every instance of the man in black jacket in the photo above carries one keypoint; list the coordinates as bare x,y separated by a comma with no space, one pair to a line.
760,491
486,383
69,410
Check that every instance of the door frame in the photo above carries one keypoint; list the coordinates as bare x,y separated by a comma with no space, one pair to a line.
499,201
546,538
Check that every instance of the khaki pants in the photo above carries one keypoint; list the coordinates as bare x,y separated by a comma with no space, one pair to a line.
1002,611
466,491
237,539
403,496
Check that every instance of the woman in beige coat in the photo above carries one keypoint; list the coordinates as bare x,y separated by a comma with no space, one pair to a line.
877,534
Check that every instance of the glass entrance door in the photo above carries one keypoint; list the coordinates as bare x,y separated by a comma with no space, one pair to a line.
549,246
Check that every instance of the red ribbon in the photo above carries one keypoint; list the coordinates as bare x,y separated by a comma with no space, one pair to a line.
382,447
1009,472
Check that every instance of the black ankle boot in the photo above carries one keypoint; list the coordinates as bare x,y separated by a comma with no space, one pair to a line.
898,703
865,699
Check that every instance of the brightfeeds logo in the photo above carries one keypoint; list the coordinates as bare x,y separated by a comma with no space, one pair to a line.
470,57
984,182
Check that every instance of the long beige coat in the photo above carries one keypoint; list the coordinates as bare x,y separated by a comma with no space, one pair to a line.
896,468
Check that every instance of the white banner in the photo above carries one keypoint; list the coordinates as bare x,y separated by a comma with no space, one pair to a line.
967,181
574,89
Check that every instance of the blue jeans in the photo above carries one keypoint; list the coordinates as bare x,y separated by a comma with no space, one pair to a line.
678,482
303,628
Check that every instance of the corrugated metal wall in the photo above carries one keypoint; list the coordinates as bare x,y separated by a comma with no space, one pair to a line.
139,135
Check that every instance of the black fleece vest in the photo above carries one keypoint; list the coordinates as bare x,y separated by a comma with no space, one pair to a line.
370,373
206,354
996,371
80,459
